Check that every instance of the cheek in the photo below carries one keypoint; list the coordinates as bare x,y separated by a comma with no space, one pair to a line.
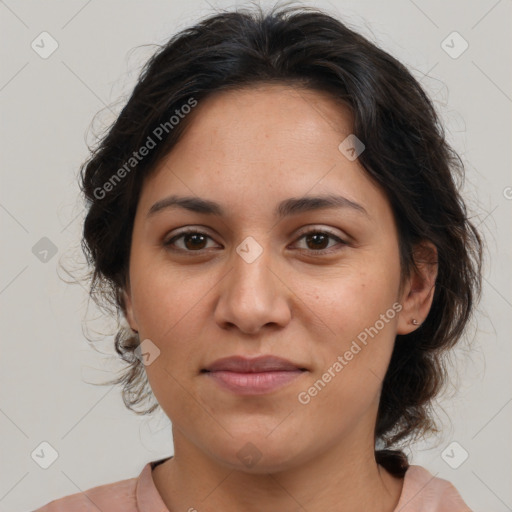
361,312
164,294
346,384
167,312
353,298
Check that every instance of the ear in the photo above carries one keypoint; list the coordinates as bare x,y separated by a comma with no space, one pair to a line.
129,313
418,291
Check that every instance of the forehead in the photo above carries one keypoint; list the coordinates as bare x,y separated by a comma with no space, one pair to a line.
269,110
260,144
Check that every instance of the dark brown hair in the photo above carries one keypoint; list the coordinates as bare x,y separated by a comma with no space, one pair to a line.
406,154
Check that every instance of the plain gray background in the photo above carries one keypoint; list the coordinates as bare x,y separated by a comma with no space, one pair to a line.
47,106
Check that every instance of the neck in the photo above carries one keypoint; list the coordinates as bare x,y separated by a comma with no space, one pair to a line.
345,478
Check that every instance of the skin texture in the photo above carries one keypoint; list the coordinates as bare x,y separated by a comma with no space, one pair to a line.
248,150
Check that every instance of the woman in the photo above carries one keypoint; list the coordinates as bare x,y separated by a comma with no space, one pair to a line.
274,213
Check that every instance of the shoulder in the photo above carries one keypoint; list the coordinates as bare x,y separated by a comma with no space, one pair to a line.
423,491
115,497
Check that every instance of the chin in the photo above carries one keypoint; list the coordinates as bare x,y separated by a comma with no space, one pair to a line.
258,455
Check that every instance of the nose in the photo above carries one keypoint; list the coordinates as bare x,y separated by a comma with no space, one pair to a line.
253,295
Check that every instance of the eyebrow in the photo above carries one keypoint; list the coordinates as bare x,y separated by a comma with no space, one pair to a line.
288,207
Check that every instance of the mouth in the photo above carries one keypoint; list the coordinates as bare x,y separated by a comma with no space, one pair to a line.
255,376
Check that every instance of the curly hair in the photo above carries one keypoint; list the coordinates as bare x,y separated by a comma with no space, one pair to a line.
406,155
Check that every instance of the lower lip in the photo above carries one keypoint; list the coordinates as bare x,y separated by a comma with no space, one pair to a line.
253,383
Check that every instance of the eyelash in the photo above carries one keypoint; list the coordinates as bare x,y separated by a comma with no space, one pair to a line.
320,252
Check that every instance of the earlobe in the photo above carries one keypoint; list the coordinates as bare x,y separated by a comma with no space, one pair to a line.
418,294
130,317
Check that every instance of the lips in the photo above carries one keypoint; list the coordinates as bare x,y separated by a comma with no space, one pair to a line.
258,364
256,376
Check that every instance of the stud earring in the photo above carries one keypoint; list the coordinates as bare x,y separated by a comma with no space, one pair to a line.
415,322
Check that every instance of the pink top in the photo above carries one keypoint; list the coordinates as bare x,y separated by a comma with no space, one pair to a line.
421,492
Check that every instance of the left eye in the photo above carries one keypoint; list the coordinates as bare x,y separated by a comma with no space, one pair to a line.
319,238
194,241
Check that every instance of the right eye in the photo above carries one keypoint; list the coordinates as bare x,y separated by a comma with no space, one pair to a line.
193,241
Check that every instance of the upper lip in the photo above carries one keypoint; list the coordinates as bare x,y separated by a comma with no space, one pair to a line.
265,363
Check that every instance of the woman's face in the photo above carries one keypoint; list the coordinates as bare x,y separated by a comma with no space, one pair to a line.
253,284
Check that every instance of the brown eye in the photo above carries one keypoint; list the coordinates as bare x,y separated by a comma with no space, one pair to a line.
318,241
193,241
